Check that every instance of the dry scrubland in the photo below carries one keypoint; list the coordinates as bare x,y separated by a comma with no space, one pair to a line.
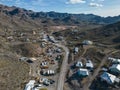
13,74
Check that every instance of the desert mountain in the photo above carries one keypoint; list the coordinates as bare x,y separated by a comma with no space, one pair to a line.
27,18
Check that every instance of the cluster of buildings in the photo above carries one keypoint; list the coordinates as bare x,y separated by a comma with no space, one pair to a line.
48,38
47,67
85,42
111,77
84,69
44,68
33,85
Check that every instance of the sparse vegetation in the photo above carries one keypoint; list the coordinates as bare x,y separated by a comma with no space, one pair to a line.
13,73
43,89
28,49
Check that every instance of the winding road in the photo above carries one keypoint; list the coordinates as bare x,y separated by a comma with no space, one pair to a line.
63,67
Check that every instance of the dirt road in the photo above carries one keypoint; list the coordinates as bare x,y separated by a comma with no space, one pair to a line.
87,85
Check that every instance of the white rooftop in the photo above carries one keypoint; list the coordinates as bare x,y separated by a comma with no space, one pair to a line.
87,42
83,72
89,64
114,59
30,85
115,66
108,77
76,49
79,64
36,89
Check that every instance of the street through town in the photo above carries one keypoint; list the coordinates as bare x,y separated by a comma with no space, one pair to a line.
63,68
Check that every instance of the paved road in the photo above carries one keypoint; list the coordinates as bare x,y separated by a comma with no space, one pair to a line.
63,68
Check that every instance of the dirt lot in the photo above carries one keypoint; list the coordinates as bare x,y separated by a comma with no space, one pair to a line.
13,74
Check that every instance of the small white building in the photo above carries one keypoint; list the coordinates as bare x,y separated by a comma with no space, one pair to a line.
109,78
43,45
89,64
115,68
44,64
114,60
58,50
30,85
43,80
23,58
79,64
76,50
45,38
83,72
47,72
10,38
87,42
50,72
33,59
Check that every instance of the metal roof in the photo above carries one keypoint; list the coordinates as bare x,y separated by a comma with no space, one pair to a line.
83,72
108,77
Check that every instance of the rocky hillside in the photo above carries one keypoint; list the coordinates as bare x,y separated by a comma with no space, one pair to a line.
108,34
29,19
111,30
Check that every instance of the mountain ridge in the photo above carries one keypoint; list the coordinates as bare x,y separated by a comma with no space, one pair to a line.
60,18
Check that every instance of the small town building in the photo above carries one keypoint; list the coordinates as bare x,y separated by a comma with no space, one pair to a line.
33,59
79,64
30,85
76,50
114,60
44,64
10,38
117,61
37,87
44,81
89,64
47,72
41,80
115,68
51,39
23,59
27,40
45,38
104,69
58,50
83,72
43,45
109,78
87,42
